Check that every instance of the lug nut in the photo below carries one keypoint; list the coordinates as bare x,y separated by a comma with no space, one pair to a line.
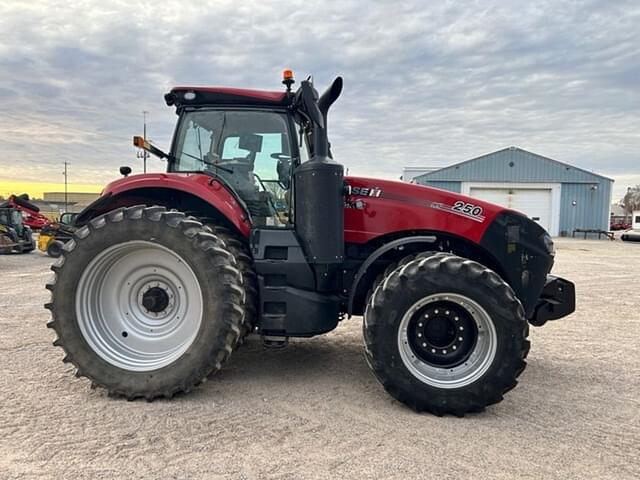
460,339
424,344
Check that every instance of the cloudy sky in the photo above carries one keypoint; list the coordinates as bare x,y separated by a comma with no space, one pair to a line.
426,83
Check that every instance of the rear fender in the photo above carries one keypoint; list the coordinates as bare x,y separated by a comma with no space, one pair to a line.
198,194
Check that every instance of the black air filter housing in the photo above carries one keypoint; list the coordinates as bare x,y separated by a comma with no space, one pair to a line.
319,210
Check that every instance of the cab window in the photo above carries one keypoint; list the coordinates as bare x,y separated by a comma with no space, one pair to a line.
249,150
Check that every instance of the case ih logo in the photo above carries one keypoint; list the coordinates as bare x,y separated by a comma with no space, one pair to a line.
366,191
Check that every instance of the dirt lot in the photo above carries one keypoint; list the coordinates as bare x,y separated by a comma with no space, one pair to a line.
313,410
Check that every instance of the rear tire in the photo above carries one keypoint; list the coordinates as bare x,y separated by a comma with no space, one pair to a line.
445,334
244,260
146,302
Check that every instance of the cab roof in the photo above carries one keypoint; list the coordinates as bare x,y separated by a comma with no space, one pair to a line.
209,96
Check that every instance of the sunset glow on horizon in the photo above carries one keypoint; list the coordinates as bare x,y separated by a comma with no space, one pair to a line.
37,189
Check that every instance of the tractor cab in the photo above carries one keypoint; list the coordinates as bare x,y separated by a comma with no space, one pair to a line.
12,218
250,150
252,141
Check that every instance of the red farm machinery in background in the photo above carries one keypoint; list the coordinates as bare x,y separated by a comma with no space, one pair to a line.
31,215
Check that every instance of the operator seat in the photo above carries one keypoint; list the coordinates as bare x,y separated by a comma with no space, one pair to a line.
243,181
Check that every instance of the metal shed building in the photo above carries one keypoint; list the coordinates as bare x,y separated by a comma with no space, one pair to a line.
558,196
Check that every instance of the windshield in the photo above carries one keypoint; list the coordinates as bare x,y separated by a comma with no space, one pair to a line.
250,150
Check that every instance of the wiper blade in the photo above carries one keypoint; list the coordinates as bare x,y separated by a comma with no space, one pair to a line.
218,166
213,164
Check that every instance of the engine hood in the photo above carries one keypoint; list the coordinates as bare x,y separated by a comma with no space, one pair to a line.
521,250
378,207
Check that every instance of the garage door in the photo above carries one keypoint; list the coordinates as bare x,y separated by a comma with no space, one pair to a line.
533,202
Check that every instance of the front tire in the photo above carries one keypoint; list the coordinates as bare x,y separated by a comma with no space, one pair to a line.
445,334
54,249
146,302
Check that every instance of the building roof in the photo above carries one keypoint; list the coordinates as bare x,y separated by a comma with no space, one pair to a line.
512,164
411,172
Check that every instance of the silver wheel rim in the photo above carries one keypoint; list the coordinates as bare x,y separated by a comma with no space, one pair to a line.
473,367
114,313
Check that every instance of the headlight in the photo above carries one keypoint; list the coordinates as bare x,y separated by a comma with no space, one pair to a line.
548,243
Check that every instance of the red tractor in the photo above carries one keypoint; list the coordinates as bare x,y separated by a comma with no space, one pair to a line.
254,228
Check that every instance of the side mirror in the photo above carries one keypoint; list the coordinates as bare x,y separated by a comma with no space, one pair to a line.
125,171
140,142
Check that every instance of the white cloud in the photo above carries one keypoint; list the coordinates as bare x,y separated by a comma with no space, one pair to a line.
423,85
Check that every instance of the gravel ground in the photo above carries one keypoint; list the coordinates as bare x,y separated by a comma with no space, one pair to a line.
314,410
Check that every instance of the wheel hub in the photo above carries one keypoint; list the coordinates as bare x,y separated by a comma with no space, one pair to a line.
442,333
155,299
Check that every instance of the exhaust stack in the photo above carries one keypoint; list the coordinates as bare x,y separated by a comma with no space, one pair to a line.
319,183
